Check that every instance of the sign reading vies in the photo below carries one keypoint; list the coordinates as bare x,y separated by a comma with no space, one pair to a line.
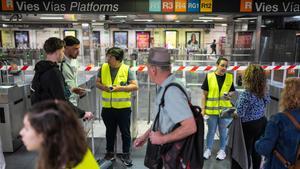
71,6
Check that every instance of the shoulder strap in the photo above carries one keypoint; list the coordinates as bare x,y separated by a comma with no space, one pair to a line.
61,66
297,125
293,120
280,156
162,101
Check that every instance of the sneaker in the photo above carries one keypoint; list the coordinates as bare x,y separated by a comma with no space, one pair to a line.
221,155
207,154
125,158
110,156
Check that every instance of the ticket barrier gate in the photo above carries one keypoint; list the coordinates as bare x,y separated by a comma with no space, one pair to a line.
12,109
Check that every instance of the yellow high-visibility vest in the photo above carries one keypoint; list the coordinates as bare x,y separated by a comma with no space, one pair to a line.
115,99
215,101
88,161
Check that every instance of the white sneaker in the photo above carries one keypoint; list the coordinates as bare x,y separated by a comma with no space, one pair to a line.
221,155
207,154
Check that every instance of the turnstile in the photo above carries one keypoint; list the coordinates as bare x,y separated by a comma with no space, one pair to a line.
12,109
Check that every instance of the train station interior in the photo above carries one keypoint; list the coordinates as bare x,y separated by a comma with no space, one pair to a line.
245,31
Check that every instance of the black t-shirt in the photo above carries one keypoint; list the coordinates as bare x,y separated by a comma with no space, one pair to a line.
220,80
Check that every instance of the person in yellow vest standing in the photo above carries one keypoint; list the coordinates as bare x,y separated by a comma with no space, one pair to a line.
116,81
217,89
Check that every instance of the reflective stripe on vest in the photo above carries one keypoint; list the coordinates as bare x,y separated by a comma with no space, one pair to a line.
115,99
216,102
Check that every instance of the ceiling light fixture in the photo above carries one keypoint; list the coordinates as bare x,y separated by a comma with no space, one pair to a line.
210,18
296,17
98,24
246,18
201,20
51,17
143,20
120,16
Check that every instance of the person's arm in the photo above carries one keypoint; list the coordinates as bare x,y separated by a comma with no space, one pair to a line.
131,81
57,90
187,127
243,104
266,144
132,86
205,89
178,110
101,86
203,101
140,141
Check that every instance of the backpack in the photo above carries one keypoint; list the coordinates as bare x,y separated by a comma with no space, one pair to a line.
188,152
280,157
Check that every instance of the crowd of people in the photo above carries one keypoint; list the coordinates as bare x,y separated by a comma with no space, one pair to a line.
51,126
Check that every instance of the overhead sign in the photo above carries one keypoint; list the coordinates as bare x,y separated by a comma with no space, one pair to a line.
246,6
151,6
154,5
180,5
206,6
193,6
167,6
265,6
74,6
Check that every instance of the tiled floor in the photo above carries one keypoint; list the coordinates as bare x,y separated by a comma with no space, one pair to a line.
21,159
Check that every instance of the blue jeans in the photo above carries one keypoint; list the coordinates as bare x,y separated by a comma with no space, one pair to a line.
222,123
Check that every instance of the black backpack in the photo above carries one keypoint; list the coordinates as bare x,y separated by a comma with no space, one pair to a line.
190,153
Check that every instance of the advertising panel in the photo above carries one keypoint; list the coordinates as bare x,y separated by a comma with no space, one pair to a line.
121,39
142,40
21,39
171,39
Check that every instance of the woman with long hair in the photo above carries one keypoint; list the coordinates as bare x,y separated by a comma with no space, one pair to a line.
251,106
281,134
193,40
52,129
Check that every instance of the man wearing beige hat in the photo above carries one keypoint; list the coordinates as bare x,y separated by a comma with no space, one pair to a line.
176,108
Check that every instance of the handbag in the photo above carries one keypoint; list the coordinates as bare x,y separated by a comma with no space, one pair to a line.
153,159
280,157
